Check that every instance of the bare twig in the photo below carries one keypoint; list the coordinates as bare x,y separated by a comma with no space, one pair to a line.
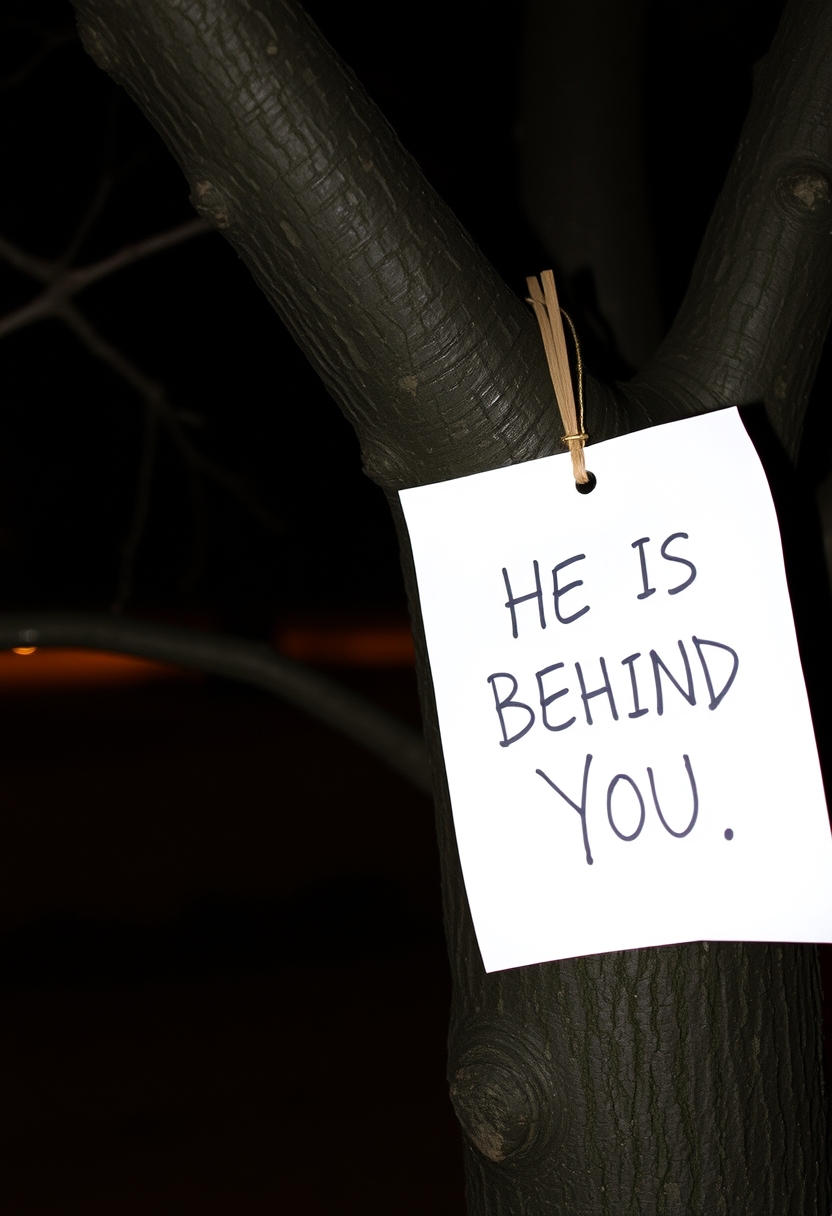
156,400
97,205
52,40
238,489
152,392
396,744
63,284
27,263
85,275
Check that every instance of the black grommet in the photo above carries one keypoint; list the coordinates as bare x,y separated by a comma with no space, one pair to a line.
586,487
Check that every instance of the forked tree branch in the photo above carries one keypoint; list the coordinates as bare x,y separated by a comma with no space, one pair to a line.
433,361
64,283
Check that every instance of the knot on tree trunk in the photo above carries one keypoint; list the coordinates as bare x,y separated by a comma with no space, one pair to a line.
803,189
211,204
504,1092
99,45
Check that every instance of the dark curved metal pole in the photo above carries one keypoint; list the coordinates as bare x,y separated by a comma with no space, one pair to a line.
399,747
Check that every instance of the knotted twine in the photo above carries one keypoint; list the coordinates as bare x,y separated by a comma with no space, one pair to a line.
544,301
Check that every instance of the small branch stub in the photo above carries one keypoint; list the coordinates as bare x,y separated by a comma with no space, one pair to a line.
543,298
505,1091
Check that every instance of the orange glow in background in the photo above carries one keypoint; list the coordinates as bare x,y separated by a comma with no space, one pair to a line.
37,668
383,644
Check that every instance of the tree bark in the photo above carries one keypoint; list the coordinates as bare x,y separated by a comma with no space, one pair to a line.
677,1080
753,321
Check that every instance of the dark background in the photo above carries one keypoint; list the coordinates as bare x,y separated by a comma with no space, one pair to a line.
224,983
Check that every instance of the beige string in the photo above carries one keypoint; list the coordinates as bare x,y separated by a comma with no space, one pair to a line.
544,301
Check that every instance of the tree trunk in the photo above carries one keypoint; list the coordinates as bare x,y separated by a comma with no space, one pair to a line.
678,1080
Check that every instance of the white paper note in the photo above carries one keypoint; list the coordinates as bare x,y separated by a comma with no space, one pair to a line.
661,645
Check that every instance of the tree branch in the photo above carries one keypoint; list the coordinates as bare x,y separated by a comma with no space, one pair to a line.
759,304
397,745
64,284
26,263
52,40
155,397
84,276
84,227
437,365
